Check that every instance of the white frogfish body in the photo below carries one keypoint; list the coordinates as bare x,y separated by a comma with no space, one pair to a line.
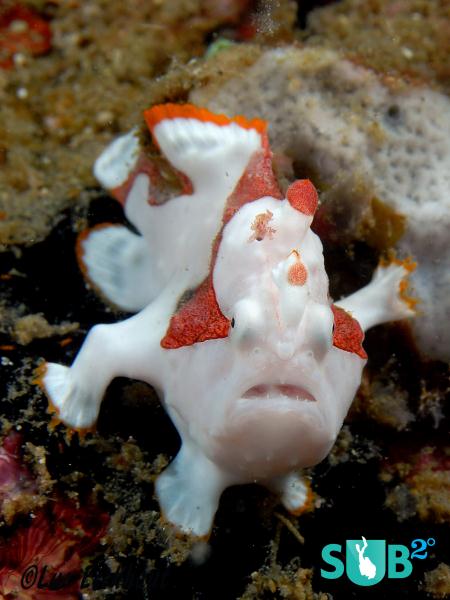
234,326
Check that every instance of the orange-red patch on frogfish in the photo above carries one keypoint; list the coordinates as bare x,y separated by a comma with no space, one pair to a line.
200,318
347,332
302,196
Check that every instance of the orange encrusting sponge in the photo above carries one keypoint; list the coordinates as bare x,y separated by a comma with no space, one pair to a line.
160,112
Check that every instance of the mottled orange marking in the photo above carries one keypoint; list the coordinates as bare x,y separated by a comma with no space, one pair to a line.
178,533
5,276
297,273
308,505
7,347
160,112
261,228
302,196
200,319
347,332
39,374
409,265
257,181
65,342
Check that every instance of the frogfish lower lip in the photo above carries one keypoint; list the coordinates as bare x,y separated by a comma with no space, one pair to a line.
273,391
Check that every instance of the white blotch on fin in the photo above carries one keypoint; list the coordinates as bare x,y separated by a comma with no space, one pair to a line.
380,300
118,262
115,164
205,151
75,405
189,490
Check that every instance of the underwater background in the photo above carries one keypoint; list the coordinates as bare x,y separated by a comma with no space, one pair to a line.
78,514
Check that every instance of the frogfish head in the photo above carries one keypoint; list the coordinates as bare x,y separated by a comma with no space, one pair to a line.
288,387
